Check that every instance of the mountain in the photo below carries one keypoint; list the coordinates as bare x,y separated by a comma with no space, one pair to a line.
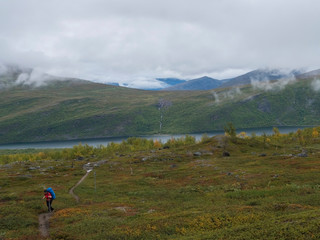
78,109
311,74
206,83
259,75
171,81
203,83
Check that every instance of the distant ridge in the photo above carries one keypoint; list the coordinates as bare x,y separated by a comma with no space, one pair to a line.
171,81
259,75
203,83
311,74
207,83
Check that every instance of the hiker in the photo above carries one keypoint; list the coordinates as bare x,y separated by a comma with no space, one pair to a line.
49,198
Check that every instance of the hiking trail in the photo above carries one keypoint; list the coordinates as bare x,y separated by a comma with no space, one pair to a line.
44,223
78,183
45,217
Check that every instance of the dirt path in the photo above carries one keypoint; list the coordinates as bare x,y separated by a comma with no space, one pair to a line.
44,217
78,183
44,223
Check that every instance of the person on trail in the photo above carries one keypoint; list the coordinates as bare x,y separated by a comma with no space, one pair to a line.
48,197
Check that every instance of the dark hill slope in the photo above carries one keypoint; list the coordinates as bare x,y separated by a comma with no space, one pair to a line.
79,109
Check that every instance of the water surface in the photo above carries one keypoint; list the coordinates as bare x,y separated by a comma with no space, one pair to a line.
162,138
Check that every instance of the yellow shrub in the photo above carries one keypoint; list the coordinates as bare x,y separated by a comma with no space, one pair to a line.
157,144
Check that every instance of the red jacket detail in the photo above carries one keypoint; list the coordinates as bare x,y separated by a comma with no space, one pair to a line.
48,196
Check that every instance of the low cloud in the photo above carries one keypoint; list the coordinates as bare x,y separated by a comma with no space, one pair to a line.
268,85
3,69
145,84
35,78
230,94
216,97
12,75
316,85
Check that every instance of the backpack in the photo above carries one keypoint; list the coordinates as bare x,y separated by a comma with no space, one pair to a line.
52,193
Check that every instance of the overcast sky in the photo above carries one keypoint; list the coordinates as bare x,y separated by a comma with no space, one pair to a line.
135,41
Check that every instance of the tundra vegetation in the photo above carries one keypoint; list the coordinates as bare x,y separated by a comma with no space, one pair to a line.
266,187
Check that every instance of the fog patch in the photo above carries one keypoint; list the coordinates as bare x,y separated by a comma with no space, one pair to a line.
3,69
316,85
268,85
35,78
145,83
230,94
216,97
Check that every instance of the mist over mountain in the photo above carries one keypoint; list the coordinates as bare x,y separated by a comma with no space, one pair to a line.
171,81
13,75
259,75
310,74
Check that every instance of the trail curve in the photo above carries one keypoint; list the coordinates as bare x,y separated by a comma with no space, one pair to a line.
76,197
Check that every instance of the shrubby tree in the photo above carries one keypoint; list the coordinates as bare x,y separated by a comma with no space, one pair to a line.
230,130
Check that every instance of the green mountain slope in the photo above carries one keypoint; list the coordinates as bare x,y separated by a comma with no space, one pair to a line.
76,109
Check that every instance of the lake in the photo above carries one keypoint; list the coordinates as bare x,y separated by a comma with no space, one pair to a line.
162,138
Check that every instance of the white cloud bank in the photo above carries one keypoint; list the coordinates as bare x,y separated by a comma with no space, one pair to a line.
125,40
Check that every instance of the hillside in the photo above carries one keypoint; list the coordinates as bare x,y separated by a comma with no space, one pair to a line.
77,109
220,188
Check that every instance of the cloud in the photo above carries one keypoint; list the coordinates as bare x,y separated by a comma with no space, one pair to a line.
145,84
216,97
224,95
267,85
316,85
36,78
117,40
3,69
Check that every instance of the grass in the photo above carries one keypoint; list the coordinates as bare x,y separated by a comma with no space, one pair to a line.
262,191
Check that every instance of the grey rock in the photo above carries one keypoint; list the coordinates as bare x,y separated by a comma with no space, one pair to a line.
197,154
34,168
302,155
144,159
